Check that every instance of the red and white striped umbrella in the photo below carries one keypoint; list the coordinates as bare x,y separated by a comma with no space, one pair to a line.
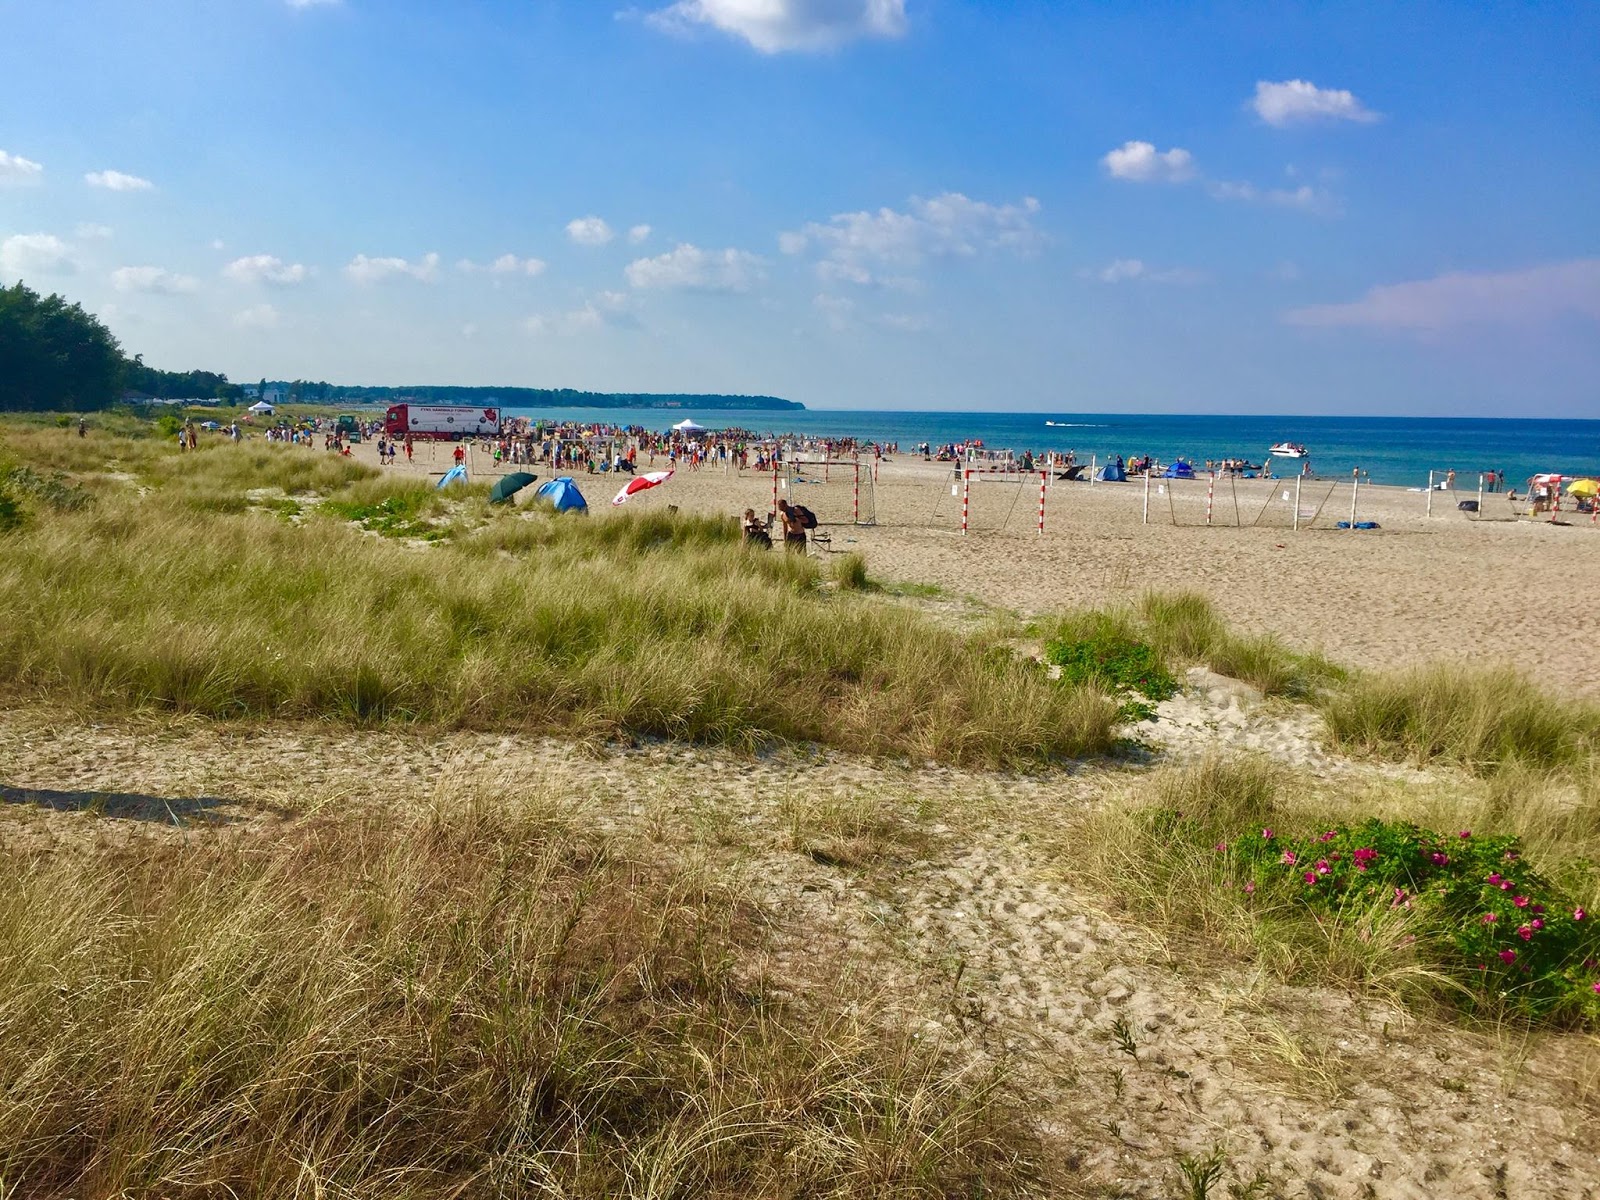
642,483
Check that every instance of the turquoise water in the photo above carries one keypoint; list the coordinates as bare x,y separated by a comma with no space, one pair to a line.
1392,450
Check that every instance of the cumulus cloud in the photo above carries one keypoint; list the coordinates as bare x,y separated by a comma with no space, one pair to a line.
854,246
589,231
154,280
362,269
1463,299
261,316
1125,270
775,26
614,310
1141,162
1297,102
639,233
689,268
506,264
266,268
116,181
26,254
15,169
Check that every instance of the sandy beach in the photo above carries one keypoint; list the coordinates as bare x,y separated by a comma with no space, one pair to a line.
1415,590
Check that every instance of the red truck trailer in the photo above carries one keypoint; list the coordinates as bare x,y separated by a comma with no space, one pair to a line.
440,421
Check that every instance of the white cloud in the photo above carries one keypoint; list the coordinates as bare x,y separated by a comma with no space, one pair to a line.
1141,162
1124,270
1305,197
638,233
690,268
510,264
116,181
774,26
589,231
266,268
852,245
16,169
1296,102
25,254
90,232
154,280
1467,299
218,244
261,316
362,269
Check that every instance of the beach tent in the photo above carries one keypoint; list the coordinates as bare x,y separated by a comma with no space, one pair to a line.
1180,470
262,407
509,485
454,474
688,426
1111,473
563,494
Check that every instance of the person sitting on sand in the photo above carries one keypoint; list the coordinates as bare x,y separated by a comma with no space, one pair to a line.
755,530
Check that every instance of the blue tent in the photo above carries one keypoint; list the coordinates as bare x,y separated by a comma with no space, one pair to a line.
453,474
564,494
1180,470
1111,473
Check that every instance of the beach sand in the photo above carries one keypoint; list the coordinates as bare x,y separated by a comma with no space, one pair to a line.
1416,590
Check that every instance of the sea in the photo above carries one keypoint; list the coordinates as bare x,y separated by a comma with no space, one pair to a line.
1389,450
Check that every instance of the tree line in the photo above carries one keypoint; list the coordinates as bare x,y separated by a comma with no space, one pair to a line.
55,356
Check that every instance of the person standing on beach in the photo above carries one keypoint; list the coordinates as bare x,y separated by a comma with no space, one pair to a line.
794,528
1450,480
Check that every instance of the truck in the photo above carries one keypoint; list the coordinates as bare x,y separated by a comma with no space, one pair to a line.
440,421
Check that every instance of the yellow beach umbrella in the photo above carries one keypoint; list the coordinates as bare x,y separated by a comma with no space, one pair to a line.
1583,487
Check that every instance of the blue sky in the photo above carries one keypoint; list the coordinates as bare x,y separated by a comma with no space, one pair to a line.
854,203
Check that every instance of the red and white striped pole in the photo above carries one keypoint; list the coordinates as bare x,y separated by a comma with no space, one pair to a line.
966,493
1211,488
1044,482
774,488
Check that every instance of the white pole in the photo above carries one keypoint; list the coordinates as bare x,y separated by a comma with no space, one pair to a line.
1355,487
1147,497
1094,460
1430,493
1479,517
1297,480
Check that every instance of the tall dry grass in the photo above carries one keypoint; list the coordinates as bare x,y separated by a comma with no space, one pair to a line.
482,1000
640,624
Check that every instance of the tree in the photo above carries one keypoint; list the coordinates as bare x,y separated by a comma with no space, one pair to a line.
53,355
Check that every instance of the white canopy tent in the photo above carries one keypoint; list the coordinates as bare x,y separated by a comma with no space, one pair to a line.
263,408
687,425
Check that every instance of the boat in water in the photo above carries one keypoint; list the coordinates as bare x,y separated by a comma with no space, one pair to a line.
1289,450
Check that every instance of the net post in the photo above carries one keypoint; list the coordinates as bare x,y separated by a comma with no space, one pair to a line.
1146,520
1094,462
1044,483
1479,517
966,494
774,487
1297,480
1355,488
1430,493
1211,489
855,495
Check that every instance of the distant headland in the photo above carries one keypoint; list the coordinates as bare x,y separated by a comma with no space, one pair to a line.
525,397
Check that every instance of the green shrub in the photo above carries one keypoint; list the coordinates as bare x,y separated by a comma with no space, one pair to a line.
1497,926
11,514
1099,649
850,572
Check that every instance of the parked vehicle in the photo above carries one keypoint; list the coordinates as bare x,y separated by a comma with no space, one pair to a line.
440,421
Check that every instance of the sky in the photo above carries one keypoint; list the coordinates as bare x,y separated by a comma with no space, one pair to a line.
875,204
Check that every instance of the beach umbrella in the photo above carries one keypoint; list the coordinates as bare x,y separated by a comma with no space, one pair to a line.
642,483
509,485
1583,487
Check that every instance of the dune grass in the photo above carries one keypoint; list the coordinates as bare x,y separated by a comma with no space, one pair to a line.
1484,720
481,1000
649,623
